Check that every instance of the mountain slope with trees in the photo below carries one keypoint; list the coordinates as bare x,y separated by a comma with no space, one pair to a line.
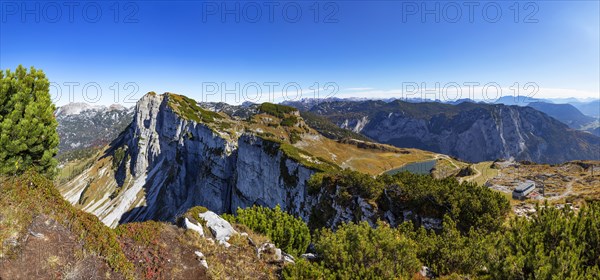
470,131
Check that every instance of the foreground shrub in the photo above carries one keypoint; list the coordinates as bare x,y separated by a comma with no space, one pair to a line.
28,137
554,244
359,251
289,233
24,197
468,204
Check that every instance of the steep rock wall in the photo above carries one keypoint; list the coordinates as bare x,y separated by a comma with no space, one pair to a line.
267,177
164,164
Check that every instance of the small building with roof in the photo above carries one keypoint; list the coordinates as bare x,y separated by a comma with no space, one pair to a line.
523,189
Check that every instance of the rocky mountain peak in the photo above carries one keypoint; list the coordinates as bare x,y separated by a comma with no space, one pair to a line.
173,157
176,154
76,108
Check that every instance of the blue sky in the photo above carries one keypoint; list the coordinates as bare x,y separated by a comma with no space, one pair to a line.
371,49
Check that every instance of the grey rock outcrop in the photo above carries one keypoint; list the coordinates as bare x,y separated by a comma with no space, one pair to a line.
269,249
287,258
169,164
165,164
309,256
268,178
201,258
219,227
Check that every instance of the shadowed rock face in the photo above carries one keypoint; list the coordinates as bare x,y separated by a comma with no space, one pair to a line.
171,164
470,131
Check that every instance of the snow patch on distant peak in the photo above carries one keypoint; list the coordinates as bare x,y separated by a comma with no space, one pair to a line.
116,107
76,108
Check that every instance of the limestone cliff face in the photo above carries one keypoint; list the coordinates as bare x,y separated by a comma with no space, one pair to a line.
267,177
164,164
182,163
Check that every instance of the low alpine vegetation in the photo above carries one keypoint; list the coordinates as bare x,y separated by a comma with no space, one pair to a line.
359,251
469,204
276,110
554,244
287,232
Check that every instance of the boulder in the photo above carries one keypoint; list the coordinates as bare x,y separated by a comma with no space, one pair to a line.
220,228
426,272
287,257
250,241
431,223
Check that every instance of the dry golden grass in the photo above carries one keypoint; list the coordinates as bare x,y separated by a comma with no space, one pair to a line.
31,195
97,181
75,167
370,161
367,160
447,166
483,173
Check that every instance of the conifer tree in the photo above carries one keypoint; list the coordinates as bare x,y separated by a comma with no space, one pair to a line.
28,137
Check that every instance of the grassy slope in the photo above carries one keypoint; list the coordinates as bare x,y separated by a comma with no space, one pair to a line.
371,160
30,195
148,250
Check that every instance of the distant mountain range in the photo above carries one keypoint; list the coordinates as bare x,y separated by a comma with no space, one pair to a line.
518,100
588,108
570,111
81,125
445,128
469,131
565,113
578,114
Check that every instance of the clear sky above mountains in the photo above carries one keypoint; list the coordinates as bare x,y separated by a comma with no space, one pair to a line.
353,48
